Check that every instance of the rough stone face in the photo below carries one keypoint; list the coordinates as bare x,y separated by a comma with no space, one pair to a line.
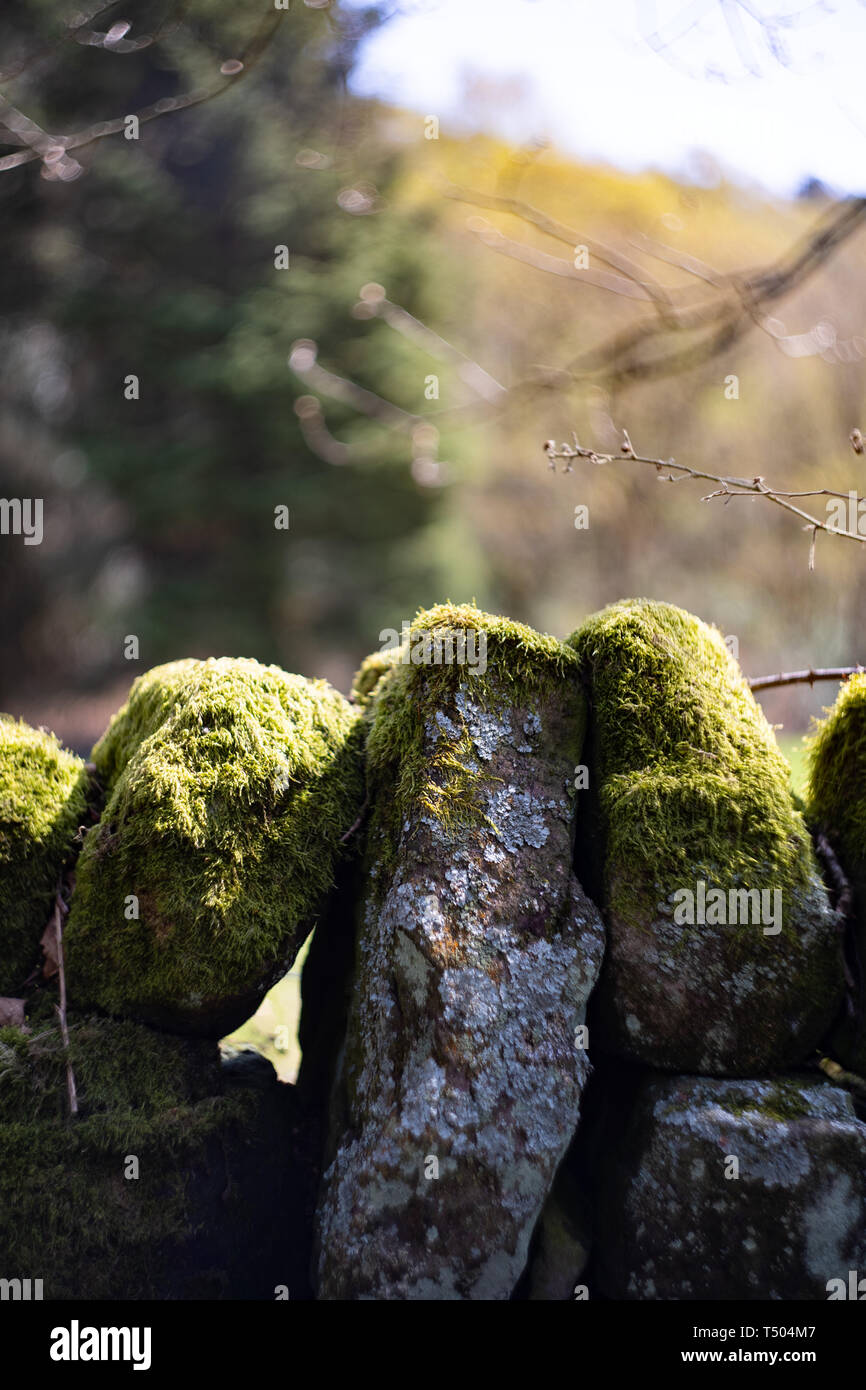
689,815
476,953
675,1227
837,806
202,1216
42,804
230,785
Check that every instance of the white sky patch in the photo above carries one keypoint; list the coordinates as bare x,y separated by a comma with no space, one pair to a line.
770,103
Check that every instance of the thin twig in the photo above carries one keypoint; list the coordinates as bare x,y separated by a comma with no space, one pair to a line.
357,824
53,149
849,1079
60,909
826,673
670,471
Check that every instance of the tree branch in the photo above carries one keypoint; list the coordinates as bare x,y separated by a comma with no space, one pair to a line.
670,471
825,673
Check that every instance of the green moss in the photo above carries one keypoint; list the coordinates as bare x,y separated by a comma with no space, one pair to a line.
124,1071
784,1100
71,1213
42,803
229,787
837,806
371,670
686,779
150,702
837,775
408,694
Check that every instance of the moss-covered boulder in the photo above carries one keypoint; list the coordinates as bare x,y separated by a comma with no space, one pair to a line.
752,1189
171,1182
229,786
43,795
837,807
463,1067
722,954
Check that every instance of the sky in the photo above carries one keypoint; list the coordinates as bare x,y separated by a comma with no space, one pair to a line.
641,84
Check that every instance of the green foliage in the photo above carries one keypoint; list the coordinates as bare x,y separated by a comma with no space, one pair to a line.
229,786
42,802
175,234
686,780
402,772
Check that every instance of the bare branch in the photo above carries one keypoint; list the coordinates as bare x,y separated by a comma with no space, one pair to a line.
824,673
53,149
670,471
554,265
58,912
302,361
374,304
317,436
643,351
560,232
69,31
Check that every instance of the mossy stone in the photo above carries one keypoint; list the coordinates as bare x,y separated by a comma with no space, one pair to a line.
229,786
837,806
43,800
169,1182
475,955
406,691
688,786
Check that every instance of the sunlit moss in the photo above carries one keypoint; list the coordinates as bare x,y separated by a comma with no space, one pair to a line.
229,787
404,695
42,803
686,779
837,775
837,806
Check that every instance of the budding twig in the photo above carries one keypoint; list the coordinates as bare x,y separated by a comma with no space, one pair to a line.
826,673
670,471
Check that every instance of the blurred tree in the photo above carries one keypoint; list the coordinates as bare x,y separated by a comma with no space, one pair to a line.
148,316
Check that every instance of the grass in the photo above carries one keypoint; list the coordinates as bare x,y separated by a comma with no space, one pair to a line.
794,750
273,1028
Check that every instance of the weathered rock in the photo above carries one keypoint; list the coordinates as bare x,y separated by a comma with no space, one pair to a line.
723,956
230,785
173,1181
837,806
477,949
677,1224
42,803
